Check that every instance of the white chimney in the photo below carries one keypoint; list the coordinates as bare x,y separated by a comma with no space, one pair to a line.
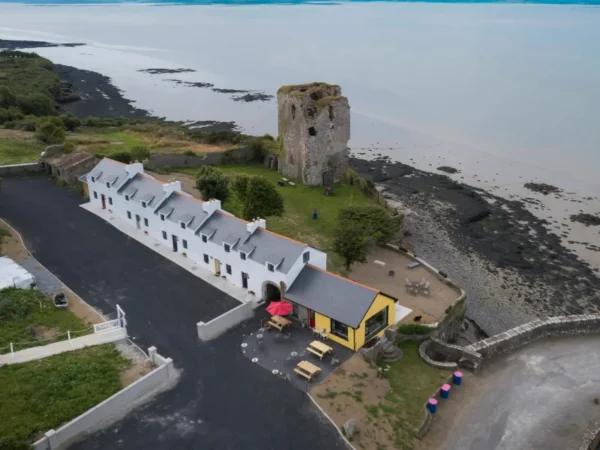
211,206
172,186
258,222
133,169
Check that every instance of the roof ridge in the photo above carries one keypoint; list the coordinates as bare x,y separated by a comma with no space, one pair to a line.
231,216
191,197
284,237
343,278
115,161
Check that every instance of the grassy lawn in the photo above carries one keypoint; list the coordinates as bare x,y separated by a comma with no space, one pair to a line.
300,201
412,382
44,394
37,323
18,147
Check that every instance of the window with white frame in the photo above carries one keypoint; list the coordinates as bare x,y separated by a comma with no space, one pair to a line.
129,214
145,222
107,184
306,257
93,179
227,248
242,255
204,238
164,235
182,224
95,194
110,200
228,268
144,204
127,197
376,323
270,267
184,243
162,217
206,258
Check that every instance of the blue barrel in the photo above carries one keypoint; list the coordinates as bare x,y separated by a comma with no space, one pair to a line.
445,391
432,405
457,377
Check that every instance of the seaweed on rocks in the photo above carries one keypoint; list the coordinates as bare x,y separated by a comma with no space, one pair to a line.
586,219
165,71
543,188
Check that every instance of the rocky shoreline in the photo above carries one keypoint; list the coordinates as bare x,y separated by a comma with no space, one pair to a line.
511,266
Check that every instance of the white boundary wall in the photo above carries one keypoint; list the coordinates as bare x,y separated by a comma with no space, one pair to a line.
113,408
217,326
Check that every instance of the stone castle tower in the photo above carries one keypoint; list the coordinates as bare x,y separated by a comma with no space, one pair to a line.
314,130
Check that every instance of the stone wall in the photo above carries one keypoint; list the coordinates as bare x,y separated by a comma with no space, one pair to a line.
239,155
314,130
437,352
20,169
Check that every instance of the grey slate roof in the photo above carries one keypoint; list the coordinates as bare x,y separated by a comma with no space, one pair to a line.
246,248
106,170
227,228
268,244
330,295
146,189
182,207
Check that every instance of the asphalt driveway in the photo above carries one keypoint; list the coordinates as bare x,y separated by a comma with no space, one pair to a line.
223,400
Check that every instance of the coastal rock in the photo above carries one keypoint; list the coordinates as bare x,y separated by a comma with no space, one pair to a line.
542,188
314,128
350,428
586,219
447,169
165,71
66,93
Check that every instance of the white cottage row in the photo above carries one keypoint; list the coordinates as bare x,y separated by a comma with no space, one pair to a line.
245,253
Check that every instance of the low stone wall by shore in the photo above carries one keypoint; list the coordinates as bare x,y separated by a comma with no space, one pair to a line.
239,155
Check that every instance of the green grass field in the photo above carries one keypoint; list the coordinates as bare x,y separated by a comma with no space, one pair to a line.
43,394
16,149
300,201
44,324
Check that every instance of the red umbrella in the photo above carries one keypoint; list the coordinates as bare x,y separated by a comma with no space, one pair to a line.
281,308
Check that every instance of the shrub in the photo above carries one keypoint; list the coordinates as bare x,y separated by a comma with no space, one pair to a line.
36,104
68,147
139,153
70,121
7,98
258,196
189,153
349,242
212,183
51,131
26,125
375,221
414,328
123,157
10,114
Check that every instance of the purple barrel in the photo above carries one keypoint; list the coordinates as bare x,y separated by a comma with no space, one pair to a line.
445,391
457,377
432,405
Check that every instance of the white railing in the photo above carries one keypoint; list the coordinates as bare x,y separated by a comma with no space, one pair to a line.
105,326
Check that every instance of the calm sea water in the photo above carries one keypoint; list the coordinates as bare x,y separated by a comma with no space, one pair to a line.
503,91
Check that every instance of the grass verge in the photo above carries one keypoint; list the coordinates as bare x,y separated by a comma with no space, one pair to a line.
39,324
17,147
44,394
300,201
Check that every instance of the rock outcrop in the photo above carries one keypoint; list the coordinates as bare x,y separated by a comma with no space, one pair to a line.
314,130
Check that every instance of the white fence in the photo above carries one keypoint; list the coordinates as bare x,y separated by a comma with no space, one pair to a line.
113,408
219,325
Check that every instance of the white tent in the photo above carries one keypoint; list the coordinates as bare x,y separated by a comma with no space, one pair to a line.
13,275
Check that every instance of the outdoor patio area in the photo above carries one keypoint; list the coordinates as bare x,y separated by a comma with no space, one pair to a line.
280,352
413,285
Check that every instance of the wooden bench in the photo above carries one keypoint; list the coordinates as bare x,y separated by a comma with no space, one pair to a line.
319,349
307,370
278,322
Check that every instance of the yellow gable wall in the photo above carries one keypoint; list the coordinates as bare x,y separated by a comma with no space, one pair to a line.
324,323
381,301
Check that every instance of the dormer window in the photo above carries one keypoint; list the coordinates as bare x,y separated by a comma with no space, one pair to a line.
270,267
227,248
107,184
182,225
127,197
162,217
204,238
306,257
242,255
93,179
144,204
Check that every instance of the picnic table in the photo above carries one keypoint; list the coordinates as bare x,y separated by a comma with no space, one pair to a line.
319,349
306,369
279,322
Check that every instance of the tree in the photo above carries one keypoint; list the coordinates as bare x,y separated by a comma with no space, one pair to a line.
350,243
36,104
258,197
7,98
51,131
212,183
376,222
139,153
70,121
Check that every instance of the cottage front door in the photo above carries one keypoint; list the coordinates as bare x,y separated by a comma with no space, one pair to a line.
244,280
217,266
174,243
103,201
138,220
311,318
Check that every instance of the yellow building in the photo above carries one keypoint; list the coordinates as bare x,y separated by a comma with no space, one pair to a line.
350,312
